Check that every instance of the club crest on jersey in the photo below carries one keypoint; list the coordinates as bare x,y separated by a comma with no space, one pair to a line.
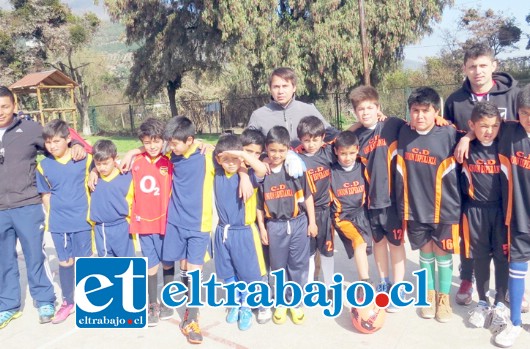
164,170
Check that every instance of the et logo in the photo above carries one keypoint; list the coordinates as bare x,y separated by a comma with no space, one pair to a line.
111,292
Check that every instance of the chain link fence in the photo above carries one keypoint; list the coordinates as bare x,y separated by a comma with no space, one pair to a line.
219,115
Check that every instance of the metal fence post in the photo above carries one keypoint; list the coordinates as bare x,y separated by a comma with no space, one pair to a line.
337,107
132,118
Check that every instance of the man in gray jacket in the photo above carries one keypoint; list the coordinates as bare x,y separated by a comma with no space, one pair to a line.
284,109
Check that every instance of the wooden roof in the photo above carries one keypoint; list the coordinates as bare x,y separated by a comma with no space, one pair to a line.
30,82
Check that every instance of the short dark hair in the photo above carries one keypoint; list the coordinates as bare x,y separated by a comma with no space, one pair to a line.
485,109
363,93
346,139
252,136
151,128
6,92
523,98
227,142
424,96
56,127
179,128
104,149
285,73
310,126
278,134
478,50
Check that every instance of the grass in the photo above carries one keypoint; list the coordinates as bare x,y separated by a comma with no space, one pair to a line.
126,143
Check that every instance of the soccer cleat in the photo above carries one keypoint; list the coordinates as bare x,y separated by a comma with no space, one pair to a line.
233,315
46,313
165,313
383,287
480,317
464,296
280,316
500,318
191,329
153,314
429,312
8,315
507,337
63,313
391,307
297,315
264,315
444,313
245,318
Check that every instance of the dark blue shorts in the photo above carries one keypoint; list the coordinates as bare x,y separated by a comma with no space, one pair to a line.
114,240
181,243
71,245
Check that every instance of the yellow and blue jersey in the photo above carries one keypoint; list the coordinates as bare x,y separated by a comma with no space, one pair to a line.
111,201
231,209
191,202
66,181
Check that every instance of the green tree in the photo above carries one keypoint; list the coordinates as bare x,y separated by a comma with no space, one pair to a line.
37,34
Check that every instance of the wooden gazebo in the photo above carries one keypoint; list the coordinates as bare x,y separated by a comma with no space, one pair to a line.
37,83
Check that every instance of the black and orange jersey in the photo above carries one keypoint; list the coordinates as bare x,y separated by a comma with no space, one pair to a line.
377,151
481,173
319,169
282,197
514,155
348,190
427,183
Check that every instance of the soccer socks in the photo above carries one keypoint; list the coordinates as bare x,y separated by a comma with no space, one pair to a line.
169,275
184,279
445,272
152,288
518,272
501,279
481,267
66,277
327,264
427,262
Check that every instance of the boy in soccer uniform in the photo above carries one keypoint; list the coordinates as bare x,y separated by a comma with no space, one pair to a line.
238,252
152,177
377,152
348,191
62,184
110,204
286,218
428,194
483,233
318,158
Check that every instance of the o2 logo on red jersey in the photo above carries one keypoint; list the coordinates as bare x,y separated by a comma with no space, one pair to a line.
148,185
111,292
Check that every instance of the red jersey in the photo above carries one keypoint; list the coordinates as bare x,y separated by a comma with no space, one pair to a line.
152,189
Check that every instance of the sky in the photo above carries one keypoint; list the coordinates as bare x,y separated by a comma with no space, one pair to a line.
428,46
432,44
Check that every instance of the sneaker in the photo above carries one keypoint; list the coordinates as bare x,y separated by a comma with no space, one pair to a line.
500,318
444,313
464,296
245,318
391,307
191,329
8,315
153,314
63,313
264,315
507,337
297,315
233,315
383,287
165,313
46,313
525,306
480,317
280,315
429,312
